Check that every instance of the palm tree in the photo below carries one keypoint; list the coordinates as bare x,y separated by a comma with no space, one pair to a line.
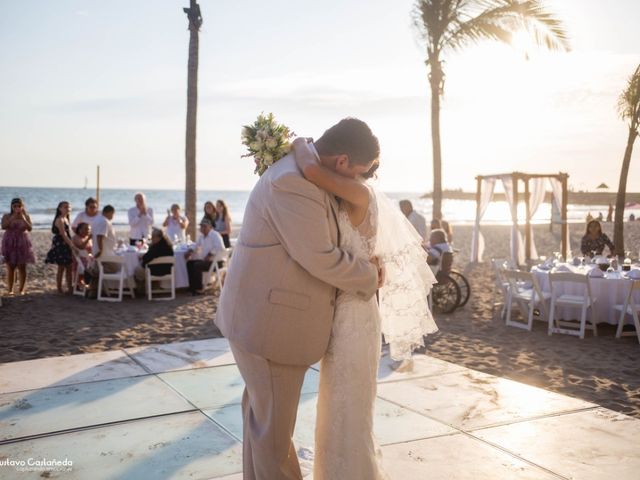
195,21
450,25
629,109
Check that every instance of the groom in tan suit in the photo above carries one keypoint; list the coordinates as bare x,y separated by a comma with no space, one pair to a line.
277,304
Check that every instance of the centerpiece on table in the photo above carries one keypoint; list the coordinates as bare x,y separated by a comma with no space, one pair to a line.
267,141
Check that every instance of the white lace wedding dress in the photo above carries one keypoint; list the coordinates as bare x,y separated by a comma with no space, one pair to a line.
345,446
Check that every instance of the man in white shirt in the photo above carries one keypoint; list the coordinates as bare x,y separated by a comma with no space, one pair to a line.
208,244
417,220
140,219
104,243
104,235
89,215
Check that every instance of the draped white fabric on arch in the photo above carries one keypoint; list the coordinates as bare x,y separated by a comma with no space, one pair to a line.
537,191
477,240
515,243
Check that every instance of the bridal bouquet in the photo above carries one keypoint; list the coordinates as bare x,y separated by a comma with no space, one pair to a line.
266,140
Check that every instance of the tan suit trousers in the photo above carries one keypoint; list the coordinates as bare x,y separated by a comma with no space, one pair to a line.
269,409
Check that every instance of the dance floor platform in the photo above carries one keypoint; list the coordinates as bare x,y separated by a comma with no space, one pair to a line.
172,411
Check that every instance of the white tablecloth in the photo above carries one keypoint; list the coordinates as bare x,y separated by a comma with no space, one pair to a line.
609,290
133,258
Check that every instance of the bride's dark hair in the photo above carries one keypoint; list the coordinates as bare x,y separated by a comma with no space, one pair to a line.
351,137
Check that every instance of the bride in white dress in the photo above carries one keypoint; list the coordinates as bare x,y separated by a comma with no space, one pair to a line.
345,445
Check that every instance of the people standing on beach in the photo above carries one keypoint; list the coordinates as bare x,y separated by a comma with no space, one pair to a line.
417,220
610,214
140,219
594,240
62,248
222,223
16,244
199,260
175,224
88,215
210,212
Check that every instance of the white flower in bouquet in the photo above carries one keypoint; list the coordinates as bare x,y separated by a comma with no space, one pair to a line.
271,142
266,140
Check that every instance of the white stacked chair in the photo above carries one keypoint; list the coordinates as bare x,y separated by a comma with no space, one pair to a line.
208,275
630,307
525,292
500,265
583,301
160,279
118,277
78,289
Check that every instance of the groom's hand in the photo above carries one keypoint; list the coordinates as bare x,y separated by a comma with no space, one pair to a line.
381,272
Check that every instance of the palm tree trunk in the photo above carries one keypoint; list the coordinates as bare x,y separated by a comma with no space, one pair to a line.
618,228
435,81
192,111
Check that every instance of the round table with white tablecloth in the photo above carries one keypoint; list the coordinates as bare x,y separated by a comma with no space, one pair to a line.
609,290
133,258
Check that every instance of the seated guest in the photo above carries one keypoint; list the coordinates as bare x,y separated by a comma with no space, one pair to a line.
594,240
176,224
88,215
104,235
82,241
446,226
160,247
209,243
140,219
437,246
222,223
417,220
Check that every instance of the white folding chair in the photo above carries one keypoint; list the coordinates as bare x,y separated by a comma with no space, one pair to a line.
105,280
584,301
524,291
160,279
500,284
207,276
78,289
630,307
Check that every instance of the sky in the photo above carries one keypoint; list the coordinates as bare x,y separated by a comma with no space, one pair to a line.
90,82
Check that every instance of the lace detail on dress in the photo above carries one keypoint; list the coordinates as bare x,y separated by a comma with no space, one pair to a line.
345,446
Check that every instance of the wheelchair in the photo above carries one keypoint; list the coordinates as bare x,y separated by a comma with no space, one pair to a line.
452,290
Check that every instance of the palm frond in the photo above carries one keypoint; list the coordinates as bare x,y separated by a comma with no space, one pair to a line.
499,19
629,100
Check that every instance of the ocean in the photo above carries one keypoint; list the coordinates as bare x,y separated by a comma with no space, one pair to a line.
41,204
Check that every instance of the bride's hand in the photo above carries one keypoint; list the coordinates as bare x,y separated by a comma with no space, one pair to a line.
381,271
302,153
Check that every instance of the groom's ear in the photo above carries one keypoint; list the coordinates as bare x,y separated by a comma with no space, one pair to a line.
342,161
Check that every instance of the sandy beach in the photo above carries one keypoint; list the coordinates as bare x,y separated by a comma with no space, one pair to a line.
601,370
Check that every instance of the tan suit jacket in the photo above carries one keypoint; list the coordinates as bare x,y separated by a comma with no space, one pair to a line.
279,294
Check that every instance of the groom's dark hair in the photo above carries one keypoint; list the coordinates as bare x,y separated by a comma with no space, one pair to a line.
351,137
